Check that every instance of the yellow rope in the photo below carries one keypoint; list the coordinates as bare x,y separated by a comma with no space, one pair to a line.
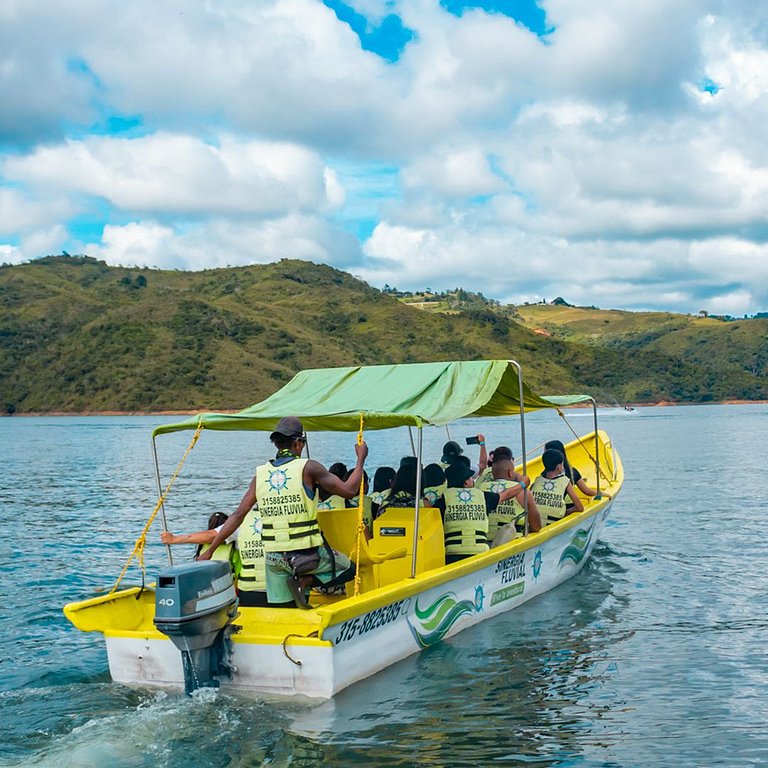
138,547
360,522
586,450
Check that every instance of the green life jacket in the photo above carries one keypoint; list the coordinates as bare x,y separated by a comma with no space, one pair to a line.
379,497
332,502
288,516
434,492
465,521
507,511
548,493
226,552
253,576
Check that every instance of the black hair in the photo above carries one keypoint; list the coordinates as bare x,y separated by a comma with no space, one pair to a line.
282,442
551,458
338,468
433,475
558,446
382,479
365,480
405,480
217,519
502,452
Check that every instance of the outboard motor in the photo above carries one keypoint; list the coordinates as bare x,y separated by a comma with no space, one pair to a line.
195,604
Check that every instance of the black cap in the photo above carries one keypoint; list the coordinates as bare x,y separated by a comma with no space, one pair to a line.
451,449
457,474
288,426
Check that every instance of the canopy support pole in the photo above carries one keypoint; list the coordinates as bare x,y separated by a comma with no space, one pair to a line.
597,448
418,506
410,435
519,369
160,496
448,432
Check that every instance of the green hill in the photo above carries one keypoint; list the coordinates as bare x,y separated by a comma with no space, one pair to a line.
78,335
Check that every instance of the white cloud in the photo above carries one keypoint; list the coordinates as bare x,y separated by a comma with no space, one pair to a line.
261,126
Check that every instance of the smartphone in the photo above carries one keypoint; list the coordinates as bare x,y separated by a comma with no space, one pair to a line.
472,440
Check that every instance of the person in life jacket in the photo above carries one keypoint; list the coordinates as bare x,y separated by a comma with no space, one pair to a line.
465,511
228,550
503,476
434,483
452,452
579,483
382,485
403,491
327,500
486,474
551,486
285,489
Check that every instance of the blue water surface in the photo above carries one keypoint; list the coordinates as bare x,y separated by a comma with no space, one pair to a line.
653,655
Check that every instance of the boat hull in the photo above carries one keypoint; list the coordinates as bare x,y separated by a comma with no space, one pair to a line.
357,638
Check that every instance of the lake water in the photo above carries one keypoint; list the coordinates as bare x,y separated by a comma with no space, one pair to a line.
654,655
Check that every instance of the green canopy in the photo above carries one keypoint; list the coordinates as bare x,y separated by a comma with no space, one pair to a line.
332,399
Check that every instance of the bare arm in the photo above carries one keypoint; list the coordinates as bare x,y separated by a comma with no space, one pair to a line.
483,462
587,491
234,520
515,491
199,537
534,516
577,503
316,474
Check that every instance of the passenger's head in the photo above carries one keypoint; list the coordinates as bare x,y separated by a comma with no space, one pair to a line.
552,459
558,446
217,519
365,480
288,435
382,479
339,468
459,475
502,452
405,479
433,476
502,469
450,451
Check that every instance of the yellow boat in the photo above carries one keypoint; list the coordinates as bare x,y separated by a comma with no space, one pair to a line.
408,599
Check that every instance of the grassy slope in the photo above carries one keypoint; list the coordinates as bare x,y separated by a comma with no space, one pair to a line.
78,335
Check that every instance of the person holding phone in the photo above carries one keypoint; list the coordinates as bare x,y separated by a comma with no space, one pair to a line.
453,453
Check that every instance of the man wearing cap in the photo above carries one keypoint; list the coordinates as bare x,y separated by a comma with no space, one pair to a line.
285,489
465,512
452,452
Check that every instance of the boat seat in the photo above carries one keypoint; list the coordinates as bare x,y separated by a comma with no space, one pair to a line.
339,526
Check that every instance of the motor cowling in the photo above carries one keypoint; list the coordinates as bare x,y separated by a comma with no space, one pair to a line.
195,604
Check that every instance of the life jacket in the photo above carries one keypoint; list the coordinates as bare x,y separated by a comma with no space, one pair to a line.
465,521
253,576
288,516
548,493
507,511
379,497
225,552
484,476
332,502
434,492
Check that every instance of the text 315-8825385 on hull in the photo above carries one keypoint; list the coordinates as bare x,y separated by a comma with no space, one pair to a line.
406,598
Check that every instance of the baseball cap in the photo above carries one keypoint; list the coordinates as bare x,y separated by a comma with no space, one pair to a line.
288,426
457,474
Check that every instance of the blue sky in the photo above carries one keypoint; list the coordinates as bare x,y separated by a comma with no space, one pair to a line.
612,154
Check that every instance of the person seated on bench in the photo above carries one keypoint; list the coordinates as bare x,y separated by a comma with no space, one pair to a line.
551,487
575,476
382,485
465,512
433,482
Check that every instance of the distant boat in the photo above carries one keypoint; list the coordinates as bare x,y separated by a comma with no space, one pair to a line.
409,598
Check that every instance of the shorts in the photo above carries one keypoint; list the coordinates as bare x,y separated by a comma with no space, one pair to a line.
278,572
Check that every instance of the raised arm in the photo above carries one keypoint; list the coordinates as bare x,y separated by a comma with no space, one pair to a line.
483,461
316,474
233,521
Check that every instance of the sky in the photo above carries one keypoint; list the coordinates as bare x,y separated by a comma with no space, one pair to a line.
610,153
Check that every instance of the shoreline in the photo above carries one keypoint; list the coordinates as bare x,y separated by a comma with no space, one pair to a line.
661,403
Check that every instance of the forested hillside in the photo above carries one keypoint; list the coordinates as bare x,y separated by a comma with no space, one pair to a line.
78,335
